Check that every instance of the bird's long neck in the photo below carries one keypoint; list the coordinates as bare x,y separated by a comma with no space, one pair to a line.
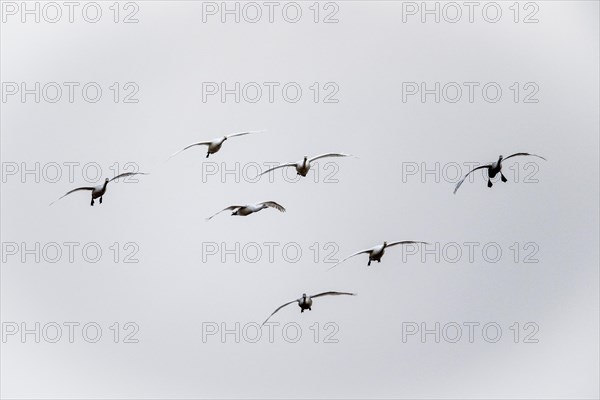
105,184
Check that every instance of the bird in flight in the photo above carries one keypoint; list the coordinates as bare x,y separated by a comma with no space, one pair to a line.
303,166
250,208
98,191
375,253
305,302
494,169
215,144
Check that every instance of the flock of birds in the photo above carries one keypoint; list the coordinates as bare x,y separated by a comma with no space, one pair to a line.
302,167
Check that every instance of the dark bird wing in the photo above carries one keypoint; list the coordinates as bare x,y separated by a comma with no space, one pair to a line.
242,133
469,173
290,164
405,242
125,174
188,146
274,205
72,191
279,308
332,294
524,154
225,209
350,256
328,155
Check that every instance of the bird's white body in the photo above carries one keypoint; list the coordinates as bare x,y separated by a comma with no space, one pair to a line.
495,168
303,166
99,190
305,303
249,209
215,145
377,252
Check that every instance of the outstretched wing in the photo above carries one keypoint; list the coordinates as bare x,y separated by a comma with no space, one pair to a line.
469,173
290,164
242,133
124,174
187,147
328,155
333,294
405,242
524,154
278,308
225,209
274,205
71,191
350,256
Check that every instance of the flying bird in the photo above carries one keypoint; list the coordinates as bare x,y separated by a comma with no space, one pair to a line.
375,253
98,191
305,302
494,169
250,208
303,166
215,144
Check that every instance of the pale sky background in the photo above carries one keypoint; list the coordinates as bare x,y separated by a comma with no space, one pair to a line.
170,293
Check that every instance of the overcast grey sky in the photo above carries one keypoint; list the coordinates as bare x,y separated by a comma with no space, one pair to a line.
365,69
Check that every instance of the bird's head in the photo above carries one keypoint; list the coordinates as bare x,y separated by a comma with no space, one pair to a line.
224,138
305,158
384,244
303,295
106,180
500,157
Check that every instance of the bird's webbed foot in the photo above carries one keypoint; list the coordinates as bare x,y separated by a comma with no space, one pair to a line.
490,184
